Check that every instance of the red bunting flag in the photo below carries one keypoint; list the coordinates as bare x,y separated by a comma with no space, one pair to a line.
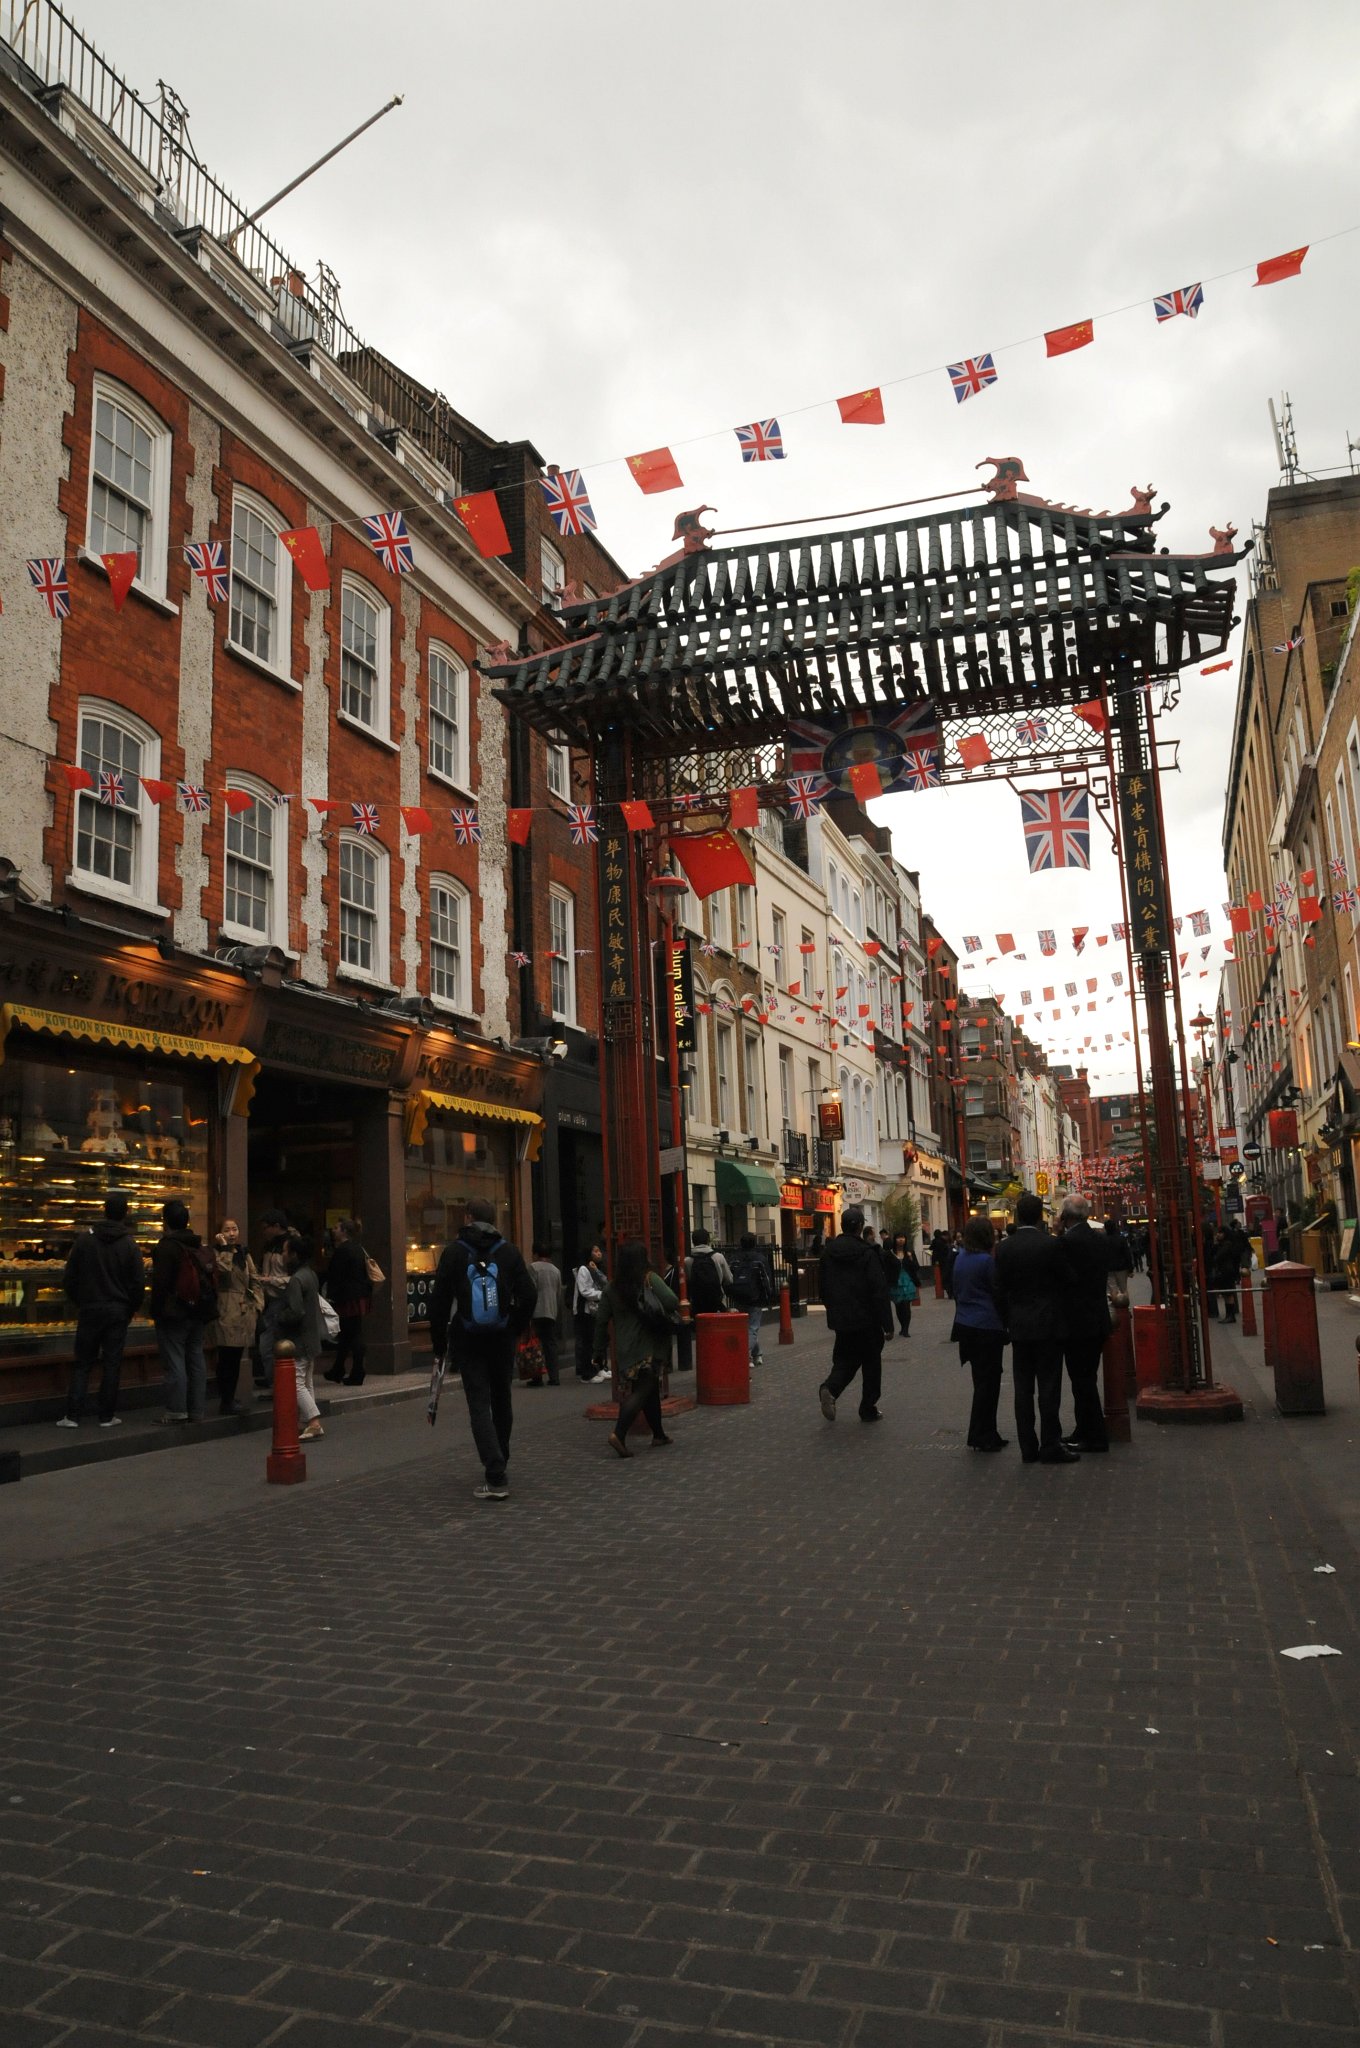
862,408
795,988
415,817
637,816
865,780
1091,713
1060,341
872,947
325,804
480,513
1308,880
932,947
122,574
518,825
743,810
655,470
974,750
159,792
1239,917
1005,943
1276,268
76,778
237,800
1215,668
309,557
865,1009
1310,909
808,946
1255,901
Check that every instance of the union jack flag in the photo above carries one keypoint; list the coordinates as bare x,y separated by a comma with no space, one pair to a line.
1048,942
1283,892
761,441
1199,923
972,944
806,794
1024,998
467,826
1275,915
1285,646
972,375
1032,730
1119,931
1057,826
569,507
921,768
112,789
1187,300
688,799
584,831
1345,899
1338,868
386,534
208,560
707,947
365,817
520,959
47,574
192,796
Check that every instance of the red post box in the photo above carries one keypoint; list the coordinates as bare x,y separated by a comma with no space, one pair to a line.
1292,1350
722,1359
1116,1367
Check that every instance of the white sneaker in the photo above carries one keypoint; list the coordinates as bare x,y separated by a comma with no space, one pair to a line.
598,1378
114,1422
68,1422
490,1492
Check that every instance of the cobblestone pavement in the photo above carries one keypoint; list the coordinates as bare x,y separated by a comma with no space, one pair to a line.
797,1733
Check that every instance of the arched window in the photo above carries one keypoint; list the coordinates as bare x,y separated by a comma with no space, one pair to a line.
450,937
261,617
255,872
365,656
447,680
116,827
363,907
129,482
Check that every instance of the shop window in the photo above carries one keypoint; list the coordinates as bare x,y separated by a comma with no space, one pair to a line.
448,689
261,584
363,907
559,770
129,483
74,1129
449,935
562,964
255,892
364,658
725,1075
116,831
454,1166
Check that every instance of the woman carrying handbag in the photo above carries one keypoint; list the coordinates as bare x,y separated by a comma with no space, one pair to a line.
644,1315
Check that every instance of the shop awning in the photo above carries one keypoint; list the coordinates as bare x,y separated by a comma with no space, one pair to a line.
101,1031
420,1107
734,1181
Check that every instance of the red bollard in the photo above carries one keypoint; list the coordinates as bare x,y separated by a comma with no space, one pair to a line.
1116,1361
286,1464
785,1317
1248,1307
939,1284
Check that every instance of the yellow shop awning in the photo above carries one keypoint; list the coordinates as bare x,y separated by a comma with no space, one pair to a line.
100,1031
475,1109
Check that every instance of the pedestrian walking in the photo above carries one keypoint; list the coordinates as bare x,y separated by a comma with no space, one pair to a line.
854,1289
547,1307
349,1290
642,1311
482,1299
752,1290
183,1304
240,1298
106,1279
906,1289
708,1277
587,1287
299,1320
273,1272
1086,1321
1030,1279
979,1331
1118,1261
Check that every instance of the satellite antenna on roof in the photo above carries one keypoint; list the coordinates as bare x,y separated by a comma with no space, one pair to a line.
1286,447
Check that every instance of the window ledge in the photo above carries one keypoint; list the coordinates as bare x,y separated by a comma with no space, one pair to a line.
451,782
244,655
344,972
366,732
136,589
91,885
459,1012
237,935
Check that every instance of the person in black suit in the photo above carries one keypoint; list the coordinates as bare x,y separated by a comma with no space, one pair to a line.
1086,1318
1030,1279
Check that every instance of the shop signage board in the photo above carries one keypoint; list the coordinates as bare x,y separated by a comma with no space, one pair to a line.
327,1052
824,1201
1142,843
682,995
830,1120
793,1195
1282,1127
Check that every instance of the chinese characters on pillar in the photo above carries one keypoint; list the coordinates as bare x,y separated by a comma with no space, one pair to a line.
1143,863
616,918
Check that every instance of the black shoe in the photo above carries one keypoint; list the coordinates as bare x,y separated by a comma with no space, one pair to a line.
1059,1454
356,1379
996,1443
661,1442
336,1375
1080,1444
869,1415
1029,1457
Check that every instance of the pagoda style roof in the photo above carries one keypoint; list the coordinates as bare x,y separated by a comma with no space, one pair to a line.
992,607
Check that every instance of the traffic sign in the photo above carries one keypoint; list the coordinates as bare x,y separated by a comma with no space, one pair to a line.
1251,1151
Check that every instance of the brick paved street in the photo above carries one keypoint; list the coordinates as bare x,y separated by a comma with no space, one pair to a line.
795,1734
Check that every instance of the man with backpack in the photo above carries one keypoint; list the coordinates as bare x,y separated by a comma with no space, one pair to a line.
708,1277
752,1290
483,1297
183,1304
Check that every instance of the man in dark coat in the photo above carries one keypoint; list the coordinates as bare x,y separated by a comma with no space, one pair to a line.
481,1344
106,1279
1030,1279
1086,1321
854,1289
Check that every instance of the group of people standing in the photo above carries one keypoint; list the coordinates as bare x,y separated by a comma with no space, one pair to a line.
214,1301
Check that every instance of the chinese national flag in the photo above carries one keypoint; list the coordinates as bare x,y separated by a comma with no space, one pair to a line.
1091,713
743,810
865,1009
309,557
1239,917
932,947
1276,268
974,750
122,570
1310,909
1060,341
862,408
865,780
1309,879
481,515
655,470
637,816
1005,943
325,804
518,825
76,778
872,947
1255,901
415,818
159,792
236,800
795,988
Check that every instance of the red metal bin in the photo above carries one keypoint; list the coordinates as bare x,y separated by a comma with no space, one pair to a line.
722,1359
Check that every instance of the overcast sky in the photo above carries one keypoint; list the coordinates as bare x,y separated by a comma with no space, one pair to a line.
609,226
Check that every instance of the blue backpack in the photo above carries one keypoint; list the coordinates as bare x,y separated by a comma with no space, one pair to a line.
484,1294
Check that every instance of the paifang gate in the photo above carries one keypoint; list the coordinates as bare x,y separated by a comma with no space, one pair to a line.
1008,612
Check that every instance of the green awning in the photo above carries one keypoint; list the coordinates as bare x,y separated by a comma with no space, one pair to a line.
737,1182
